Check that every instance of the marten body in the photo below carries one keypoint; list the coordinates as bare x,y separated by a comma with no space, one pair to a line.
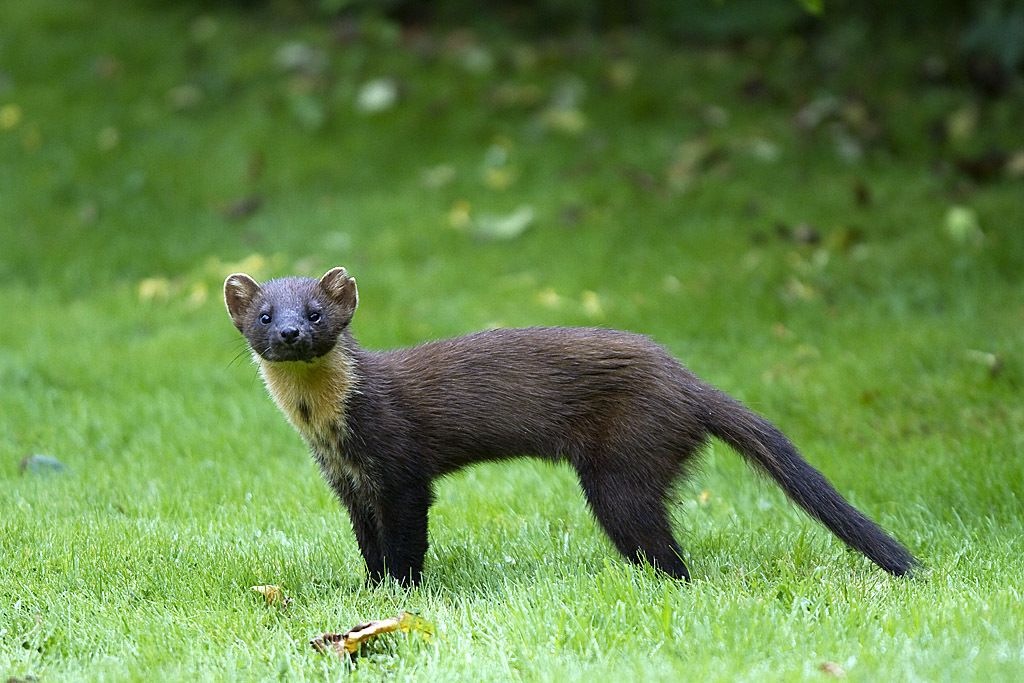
614,405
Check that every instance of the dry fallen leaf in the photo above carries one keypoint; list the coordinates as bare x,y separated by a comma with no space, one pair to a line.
564,120
460,216
832,669
549,298
621,74
438,176
962,123
197,295
301,58
963,226
377,95
592,304
498,178
274,595
10,116
1015,164
184,97
504,226
349,642
993,362
254,264
154,288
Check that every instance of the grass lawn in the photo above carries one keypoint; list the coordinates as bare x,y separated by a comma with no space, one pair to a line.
776,214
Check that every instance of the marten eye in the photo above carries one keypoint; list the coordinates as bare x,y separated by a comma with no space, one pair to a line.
314,316
265,318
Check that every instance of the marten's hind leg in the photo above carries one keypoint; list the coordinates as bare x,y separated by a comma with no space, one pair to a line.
630,505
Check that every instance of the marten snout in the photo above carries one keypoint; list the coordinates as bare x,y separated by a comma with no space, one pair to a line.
290,336
289,328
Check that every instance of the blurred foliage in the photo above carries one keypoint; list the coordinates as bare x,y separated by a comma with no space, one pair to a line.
996,33
991,31
707,19
997,20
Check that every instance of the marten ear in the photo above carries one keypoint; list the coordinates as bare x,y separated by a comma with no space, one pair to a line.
341,287
239,291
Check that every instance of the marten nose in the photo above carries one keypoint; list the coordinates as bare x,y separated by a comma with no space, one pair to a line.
289,334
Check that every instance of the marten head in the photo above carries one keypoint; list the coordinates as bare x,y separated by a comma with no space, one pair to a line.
293,318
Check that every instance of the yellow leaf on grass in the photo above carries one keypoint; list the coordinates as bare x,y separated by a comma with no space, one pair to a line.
459,215
253,264
592,304
499,178
549,298
274,595
568,121
197,294
10,116
349,642
153,288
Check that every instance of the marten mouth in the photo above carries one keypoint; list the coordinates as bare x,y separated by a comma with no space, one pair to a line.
283,353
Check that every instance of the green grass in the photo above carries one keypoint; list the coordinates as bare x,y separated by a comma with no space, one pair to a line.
185,487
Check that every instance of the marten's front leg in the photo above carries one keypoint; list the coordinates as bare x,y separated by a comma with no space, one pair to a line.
403,517
367,529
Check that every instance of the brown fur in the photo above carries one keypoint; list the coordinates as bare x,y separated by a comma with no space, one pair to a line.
614,405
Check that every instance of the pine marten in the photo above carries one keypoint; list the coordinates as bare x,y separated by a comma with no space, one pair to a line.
617,407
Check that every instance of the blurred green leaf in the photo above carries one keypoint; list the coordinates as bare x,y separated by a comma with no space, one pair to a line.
815,7
504,226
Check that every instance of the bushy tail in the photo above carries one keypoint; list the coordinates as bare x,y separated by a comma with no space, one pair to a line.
764,445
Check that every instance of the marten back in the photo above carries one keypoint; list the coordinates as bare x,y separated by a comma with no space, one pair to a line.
550,392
